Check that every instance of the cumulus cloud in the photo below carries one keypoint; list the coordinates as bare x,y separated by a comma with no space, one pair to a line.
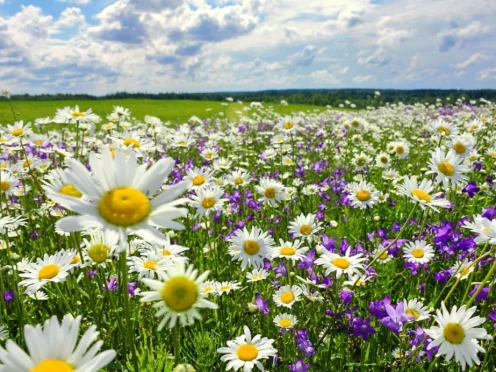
305,57
362,78
477,57
377,58
488,74
70,17
76,2
389,37
449,39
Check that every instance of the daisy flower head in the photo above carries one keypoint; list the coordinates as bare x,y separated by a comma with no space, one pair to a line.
271,191
177,295
246,352
197,178
257,275
69,115
305,227
462,269
418,252
382,160
227,287
55,348
456,334
285,321
422,193
250,247
291,250
287,124
19,130
360,161
169,251
416,309
382,255
238,178
148,266
100,246
119,197
444,128
53,268
462,144
208,200
363,194
333,262
8,183
400,149
484,227
287,295
448,168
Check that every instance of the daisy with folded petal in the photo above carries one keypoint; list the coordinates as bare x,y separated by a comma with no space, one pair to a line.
245,352
169,251
448,168
363,194
285,321
55,348
444,128
418,252
119,197
456,334
462,269
177,295
422,193
416,309
305,227
290,250
287,296
250,247
349,265
208,200
270,191
53,269
56,182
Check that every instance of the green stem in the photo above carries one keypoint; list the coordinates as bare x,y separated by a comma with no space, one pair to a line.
125,296
177,345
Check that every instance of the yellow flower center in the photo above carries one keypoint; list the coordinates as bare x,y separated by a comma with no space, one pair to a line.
287,251
26,163
180,293
360,162
306,229
446,168
288,125
38,142
443,130
150,265
124,206
3,139
17,132
98,252
384,255
198,180
270,192
421,195
77,114
76,259
418,253
52,365
208,203
70,190
400,150
412,312
182,143
464,270
492,154
247,352
383,160
132,142
4,185
238,180
251,247
225,288
355,123
459,148
285,323
363,195
165,252
341,263
48,272
287,297
454,333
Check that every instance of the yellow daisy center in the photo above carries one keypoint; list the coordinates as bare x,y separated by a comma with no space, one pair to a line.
4,185
355,123
363,195
70,190
464,271
132,142
412,312
446,168
383,256
459,148
306,229
124,206
285,323
421,195
198,180
251,247
165,252
3,139
76,259
287,297
443,130
17,132
208,203
98,252
418,253
48,272
270,192
180,293
383,160
38,142
26,163
400,150
341,263
52,365
287,251
150,265
288,125
247,352
78,114
225,288
360,162
238,180
454,333
182,143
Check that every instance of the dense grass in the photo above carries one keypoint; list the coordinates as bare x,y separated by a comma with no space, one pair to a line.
173,111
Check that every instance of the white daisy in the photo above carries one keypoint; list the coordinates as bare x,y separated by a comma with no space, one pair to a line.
462,269
148,266
285,321
416,309
250,247
287,295
208,200
418,251
448,168
305,227
271,191
422,193
363,194
332,262
291,250
257,275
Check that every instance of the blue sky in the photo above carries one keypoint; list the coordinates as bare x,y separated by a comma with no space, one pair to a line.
103,46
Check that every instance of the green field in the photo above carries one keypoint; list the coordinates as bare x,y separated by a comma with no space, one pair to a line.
173,111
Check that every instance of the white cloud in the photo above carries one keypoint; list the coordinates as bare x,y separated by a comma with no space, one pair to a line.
377,58
305,57
76,2
362,78
488,74
477,57
389,37
449,39
70,17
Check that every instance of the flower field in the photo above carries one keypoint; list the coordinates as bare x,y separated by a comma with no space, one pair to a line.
327,241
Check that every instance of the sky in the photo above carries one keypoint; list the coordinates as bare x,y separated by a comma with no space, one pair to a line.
105,46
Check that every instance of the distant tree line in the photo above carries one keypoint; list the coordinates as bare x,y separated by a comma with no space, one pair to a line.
321,97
